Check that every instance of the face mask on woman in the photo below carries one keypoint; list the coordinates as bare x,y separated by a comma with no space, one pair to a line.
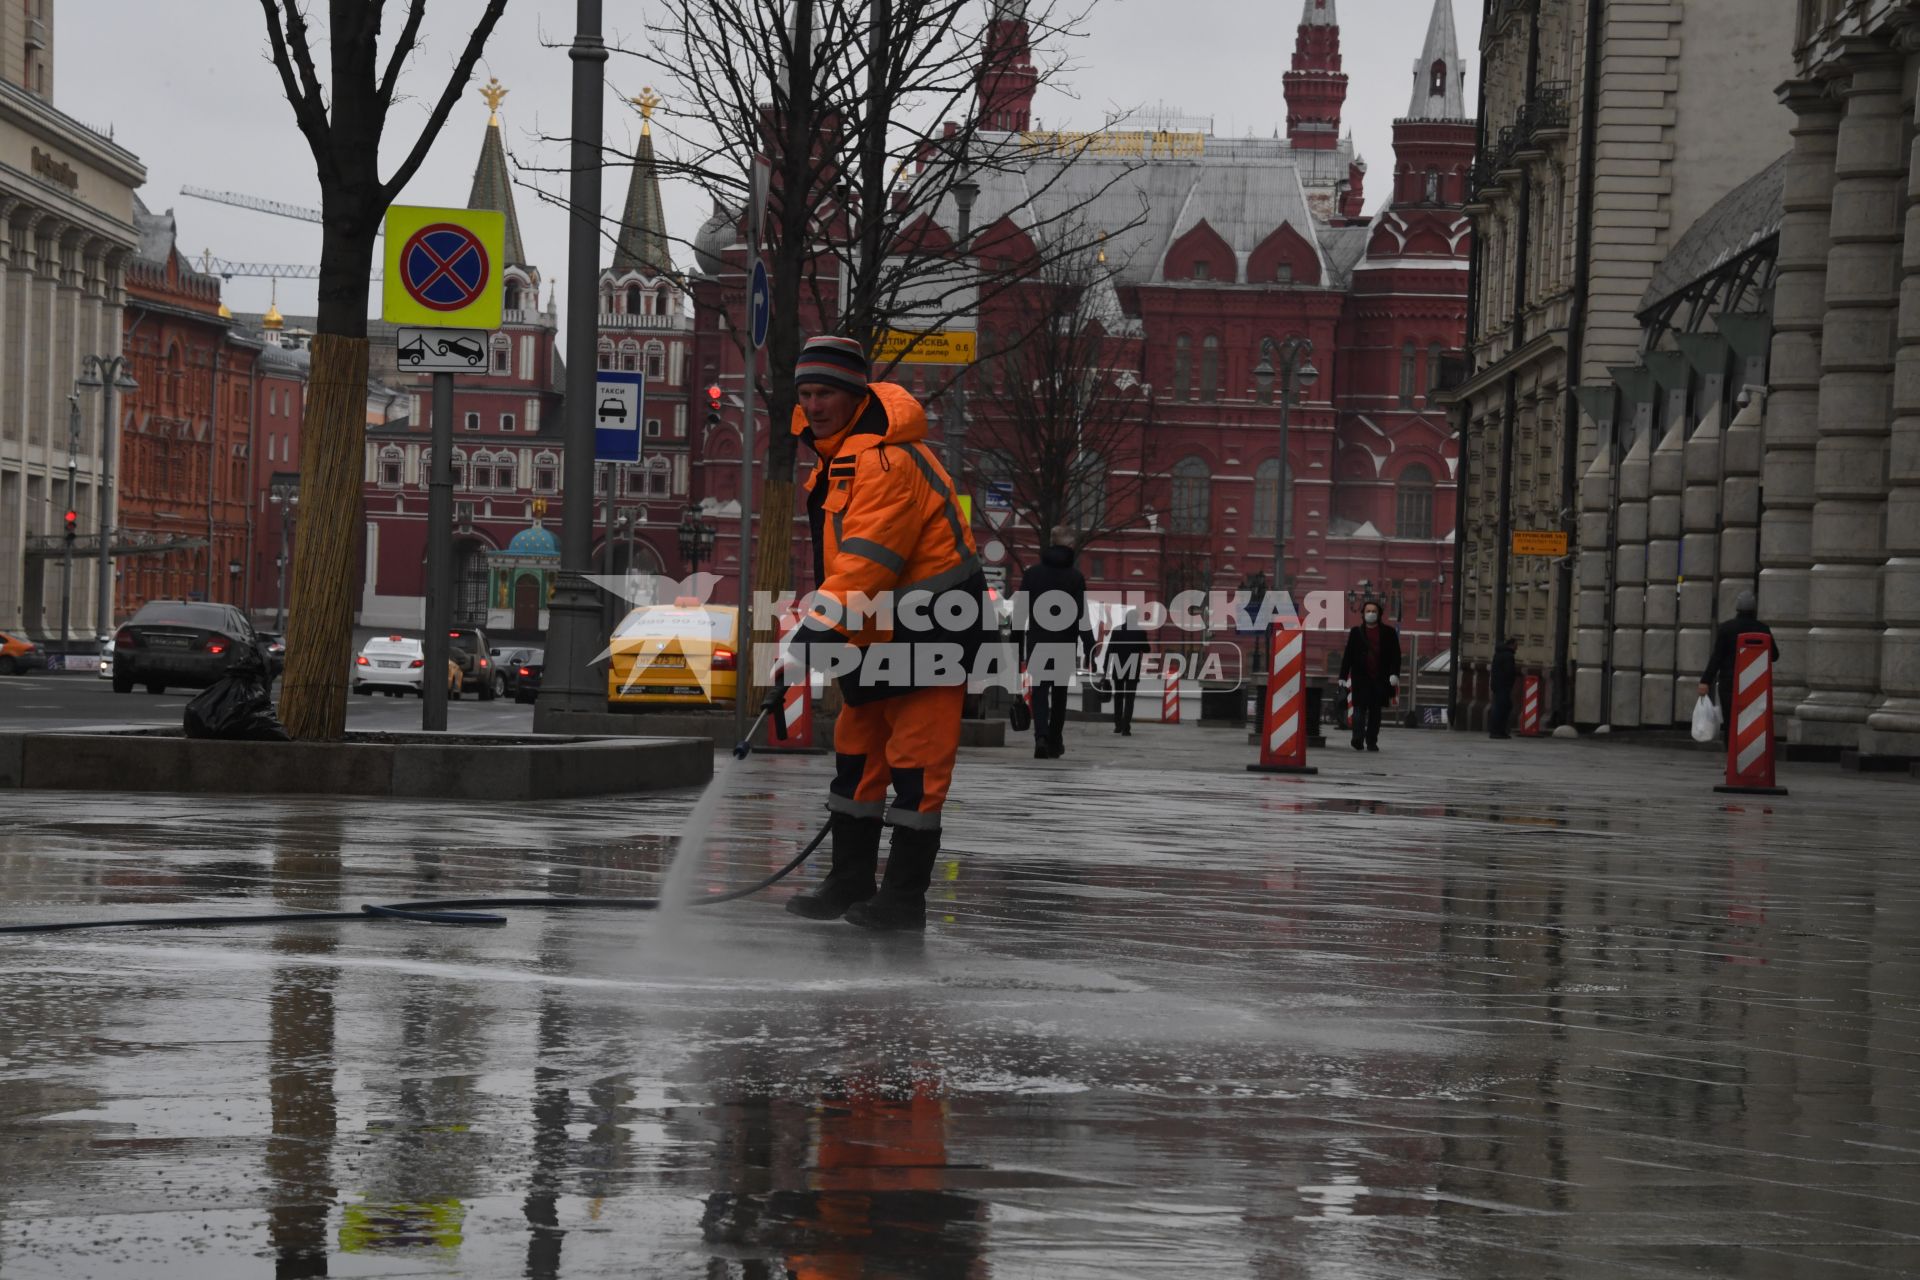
1372,616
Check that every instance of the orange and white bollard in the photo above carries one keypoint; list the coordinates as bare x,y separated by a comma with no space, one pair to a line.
1530,707
1283,725
796,710
1750,734
1170,699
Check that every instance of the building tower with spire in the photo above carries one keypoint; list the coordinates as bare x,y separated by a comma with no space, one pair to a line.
507,449
646,327
1008,78
1315,87
1405,316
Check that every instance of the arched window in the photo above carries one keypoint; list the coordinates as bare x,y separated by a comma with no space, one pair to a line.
512,300
502,353
633,299
391,465
1266,485
1434,352
1210,368
656,361
1439,82
1192,496
1407,358
546,472
606,354
459,469
1183,368
482,469
629,355
1413,503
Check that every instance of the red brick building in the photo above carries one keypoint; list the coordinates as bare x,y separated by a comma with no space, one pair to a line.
280,399
185,478
1241,240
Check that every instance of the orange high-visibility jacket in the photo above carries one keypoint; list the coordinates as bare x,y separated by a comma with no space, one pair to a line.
885,517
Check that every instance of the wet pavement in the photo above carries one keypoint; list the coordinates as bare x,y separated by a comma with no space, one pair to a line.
1460,1009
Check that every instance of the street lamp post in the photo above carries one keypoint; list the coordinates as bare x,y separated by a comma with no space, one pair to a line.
1294,358
285,498
108,374
73,466
696,540
965,192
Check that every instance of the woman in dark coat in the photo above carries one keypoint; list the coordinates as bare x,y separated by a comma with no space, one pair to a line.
1371,668
1127,650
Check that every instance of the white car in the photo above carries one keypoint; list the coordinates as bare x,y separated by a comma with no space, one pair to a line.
394,665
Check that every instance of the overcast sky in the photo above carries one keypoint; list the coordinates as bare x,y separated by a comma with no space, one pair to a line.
194,96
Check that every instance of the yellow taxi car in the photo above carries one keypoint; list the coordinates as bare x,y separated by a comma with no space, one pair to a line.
679,654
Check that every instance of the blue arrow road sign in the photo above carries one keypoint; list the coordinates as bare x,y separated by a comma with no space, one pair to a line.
620,403
761,297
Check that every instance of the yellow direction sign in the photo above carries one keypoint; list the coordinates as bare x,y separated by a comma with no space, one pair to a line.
1539,542
444,267
949,346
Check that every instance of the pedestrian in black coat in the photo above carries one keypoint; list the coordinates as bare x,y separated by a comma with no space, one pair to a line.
1058,628
1371,668
1719,673
1506,670
1127,650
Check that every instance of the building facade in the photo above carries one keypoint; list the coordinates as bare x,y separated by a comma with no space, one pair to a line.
66,236
1606,132
1210,245
185,474
1839,528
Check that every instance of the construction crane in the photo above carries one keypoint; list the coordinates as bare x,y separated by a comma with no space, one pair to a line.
278,208
210,265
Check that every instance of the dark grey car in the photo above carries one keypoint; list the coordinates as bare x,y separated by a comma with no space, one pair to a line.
179,642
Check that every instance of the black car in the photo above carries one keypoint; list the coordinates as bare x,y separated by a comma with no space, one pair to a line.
468,647
526,678
466,348
274,645
180,642
506,667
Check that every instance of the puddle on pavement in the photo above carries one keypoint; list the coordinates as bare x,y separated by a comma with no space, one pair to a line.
1241,1033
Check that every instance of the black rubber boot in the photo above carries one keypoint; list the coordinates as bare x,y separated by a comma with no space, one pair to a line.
901,904
856,855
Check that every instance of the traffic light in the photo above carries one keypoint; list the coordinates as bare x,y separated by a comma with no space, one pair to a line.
713,398
73,522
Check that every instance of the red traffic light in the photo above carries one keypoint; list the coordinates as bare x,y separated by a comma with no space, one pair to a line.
73,521
713,397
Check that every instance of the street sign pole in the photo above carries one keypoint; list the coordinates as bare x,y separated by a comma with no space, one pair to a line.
439,615
756,324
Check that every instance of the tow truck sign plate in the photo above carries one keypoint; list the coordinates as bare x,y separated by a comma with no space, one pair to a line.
443,350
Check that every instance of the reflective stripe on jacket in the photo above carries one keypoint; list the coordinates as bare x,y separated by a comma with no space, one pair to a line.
886,520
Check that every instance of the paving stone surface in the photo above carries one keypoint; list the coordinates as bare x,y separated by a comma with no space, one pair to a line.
1459,1009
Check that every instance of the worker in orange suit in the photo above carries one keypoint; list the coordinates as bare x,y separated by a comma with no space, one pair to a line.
887,530
880,1204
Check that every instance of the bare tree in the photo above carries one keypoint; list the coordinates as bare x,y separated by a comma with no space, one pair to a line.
1065,422
343,120
871,114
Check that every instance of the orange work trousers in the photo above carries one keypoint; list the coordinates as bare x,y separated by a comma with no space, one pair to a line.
909,741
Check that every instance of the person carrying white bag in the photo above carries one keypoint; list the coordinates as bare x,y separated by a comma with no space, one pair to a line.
1718,677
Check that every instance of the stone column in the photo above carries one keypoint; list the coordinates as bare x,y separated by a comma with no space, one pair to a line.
1699,559
1630,582
1666,472
1793,398
1893,726
1856,382
1740,507
1590,639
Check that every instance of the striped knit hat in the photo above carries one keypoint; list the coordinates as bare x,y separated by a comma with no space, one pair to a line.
833,362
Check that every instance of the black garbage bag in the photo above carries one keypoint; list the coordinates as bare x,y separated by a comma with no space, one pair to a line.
238,707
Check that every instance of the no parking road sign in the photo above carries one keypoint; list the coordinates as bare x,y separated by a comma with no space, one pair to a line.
443,267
